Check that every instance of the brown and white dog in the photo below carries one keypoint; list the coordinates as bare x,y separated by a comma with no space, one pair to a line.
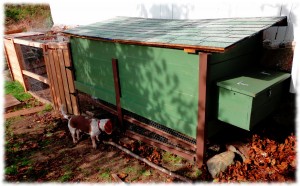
90,126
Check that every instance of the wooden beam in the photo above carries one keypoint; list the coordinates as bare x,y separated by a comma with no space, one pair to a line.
36,76
21,65
28,43
183,153
8,63
49,74
71,78
201,133
170,137
117,91
59,78
190,50
64,80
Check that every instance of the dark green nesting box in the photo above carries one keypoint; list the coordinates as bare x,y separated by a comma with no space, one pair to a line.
247,99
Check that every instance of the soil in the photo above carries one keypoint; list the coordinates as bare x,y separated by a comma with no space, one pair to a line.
39,148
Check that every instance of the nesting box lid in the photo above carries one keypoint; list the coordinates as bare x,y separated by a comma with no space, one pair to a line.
209,35
254,82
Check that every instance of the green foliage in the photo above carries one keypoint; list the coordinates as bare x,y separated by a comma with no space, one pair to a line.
67,176
146,173
23,11
48,107
171,158
105,176
16,89
11,170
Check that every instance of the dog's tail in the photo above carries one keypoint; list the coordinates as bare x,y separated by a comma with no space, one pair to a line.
62,109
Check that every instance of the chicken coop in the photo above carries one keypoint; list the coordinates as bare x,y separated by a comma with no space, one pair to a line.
160,76
169,82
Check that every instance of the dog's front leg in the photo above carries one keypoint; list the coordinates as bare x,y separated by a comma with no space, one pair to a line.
97,137
73,131
94,141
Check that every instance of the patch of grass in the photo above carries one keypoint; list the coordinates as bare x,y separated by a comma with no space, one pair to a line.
25,162
45,142
16,89
145,173
66,177
129,170
11,170
171,158
48,107
105,176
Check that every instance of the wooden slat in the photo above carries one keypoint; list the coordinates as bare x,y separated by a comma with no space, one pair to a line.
185,154
28,43
61,45
170,137
54,78
36,76
49,75
13,60
70,77
190,50
21,64
10,101
64,80
8,63
117,91
201,133
23,35
59,78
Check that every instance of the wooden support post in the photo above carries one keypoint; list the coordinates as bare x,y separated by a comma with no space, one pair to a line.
117,91
71,78
21,65
49,75
201,133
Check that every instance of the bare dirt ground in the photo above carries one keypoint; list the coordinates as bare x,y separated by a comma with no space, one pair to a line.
39,148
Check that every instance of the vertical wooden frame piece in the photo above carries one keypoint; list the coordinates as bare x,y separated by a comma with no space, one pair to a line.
117,91
71,79
21,64
49,75
201,130
64,80
8,63
54,78
59,78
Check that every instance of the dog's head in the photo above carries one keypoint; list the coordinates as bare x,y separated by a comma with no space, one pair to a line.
106,125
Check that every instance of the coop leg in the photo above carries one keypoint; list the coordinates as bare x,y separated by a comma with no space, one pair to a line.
201,133
118,92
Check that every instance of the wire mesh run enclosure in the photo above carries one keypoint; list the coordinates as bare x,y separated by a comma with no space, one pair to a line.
40,62
159,76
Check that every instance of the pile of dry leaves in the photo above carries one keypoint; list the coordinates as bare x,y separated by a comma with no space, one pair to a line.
144,151
269,161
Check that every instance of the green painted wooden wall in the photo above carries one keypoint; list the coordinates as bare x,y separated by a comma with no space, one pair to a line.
159,84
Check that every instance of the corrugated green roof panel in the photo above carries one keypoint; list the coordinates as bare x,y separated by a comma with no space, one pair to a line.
209,34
